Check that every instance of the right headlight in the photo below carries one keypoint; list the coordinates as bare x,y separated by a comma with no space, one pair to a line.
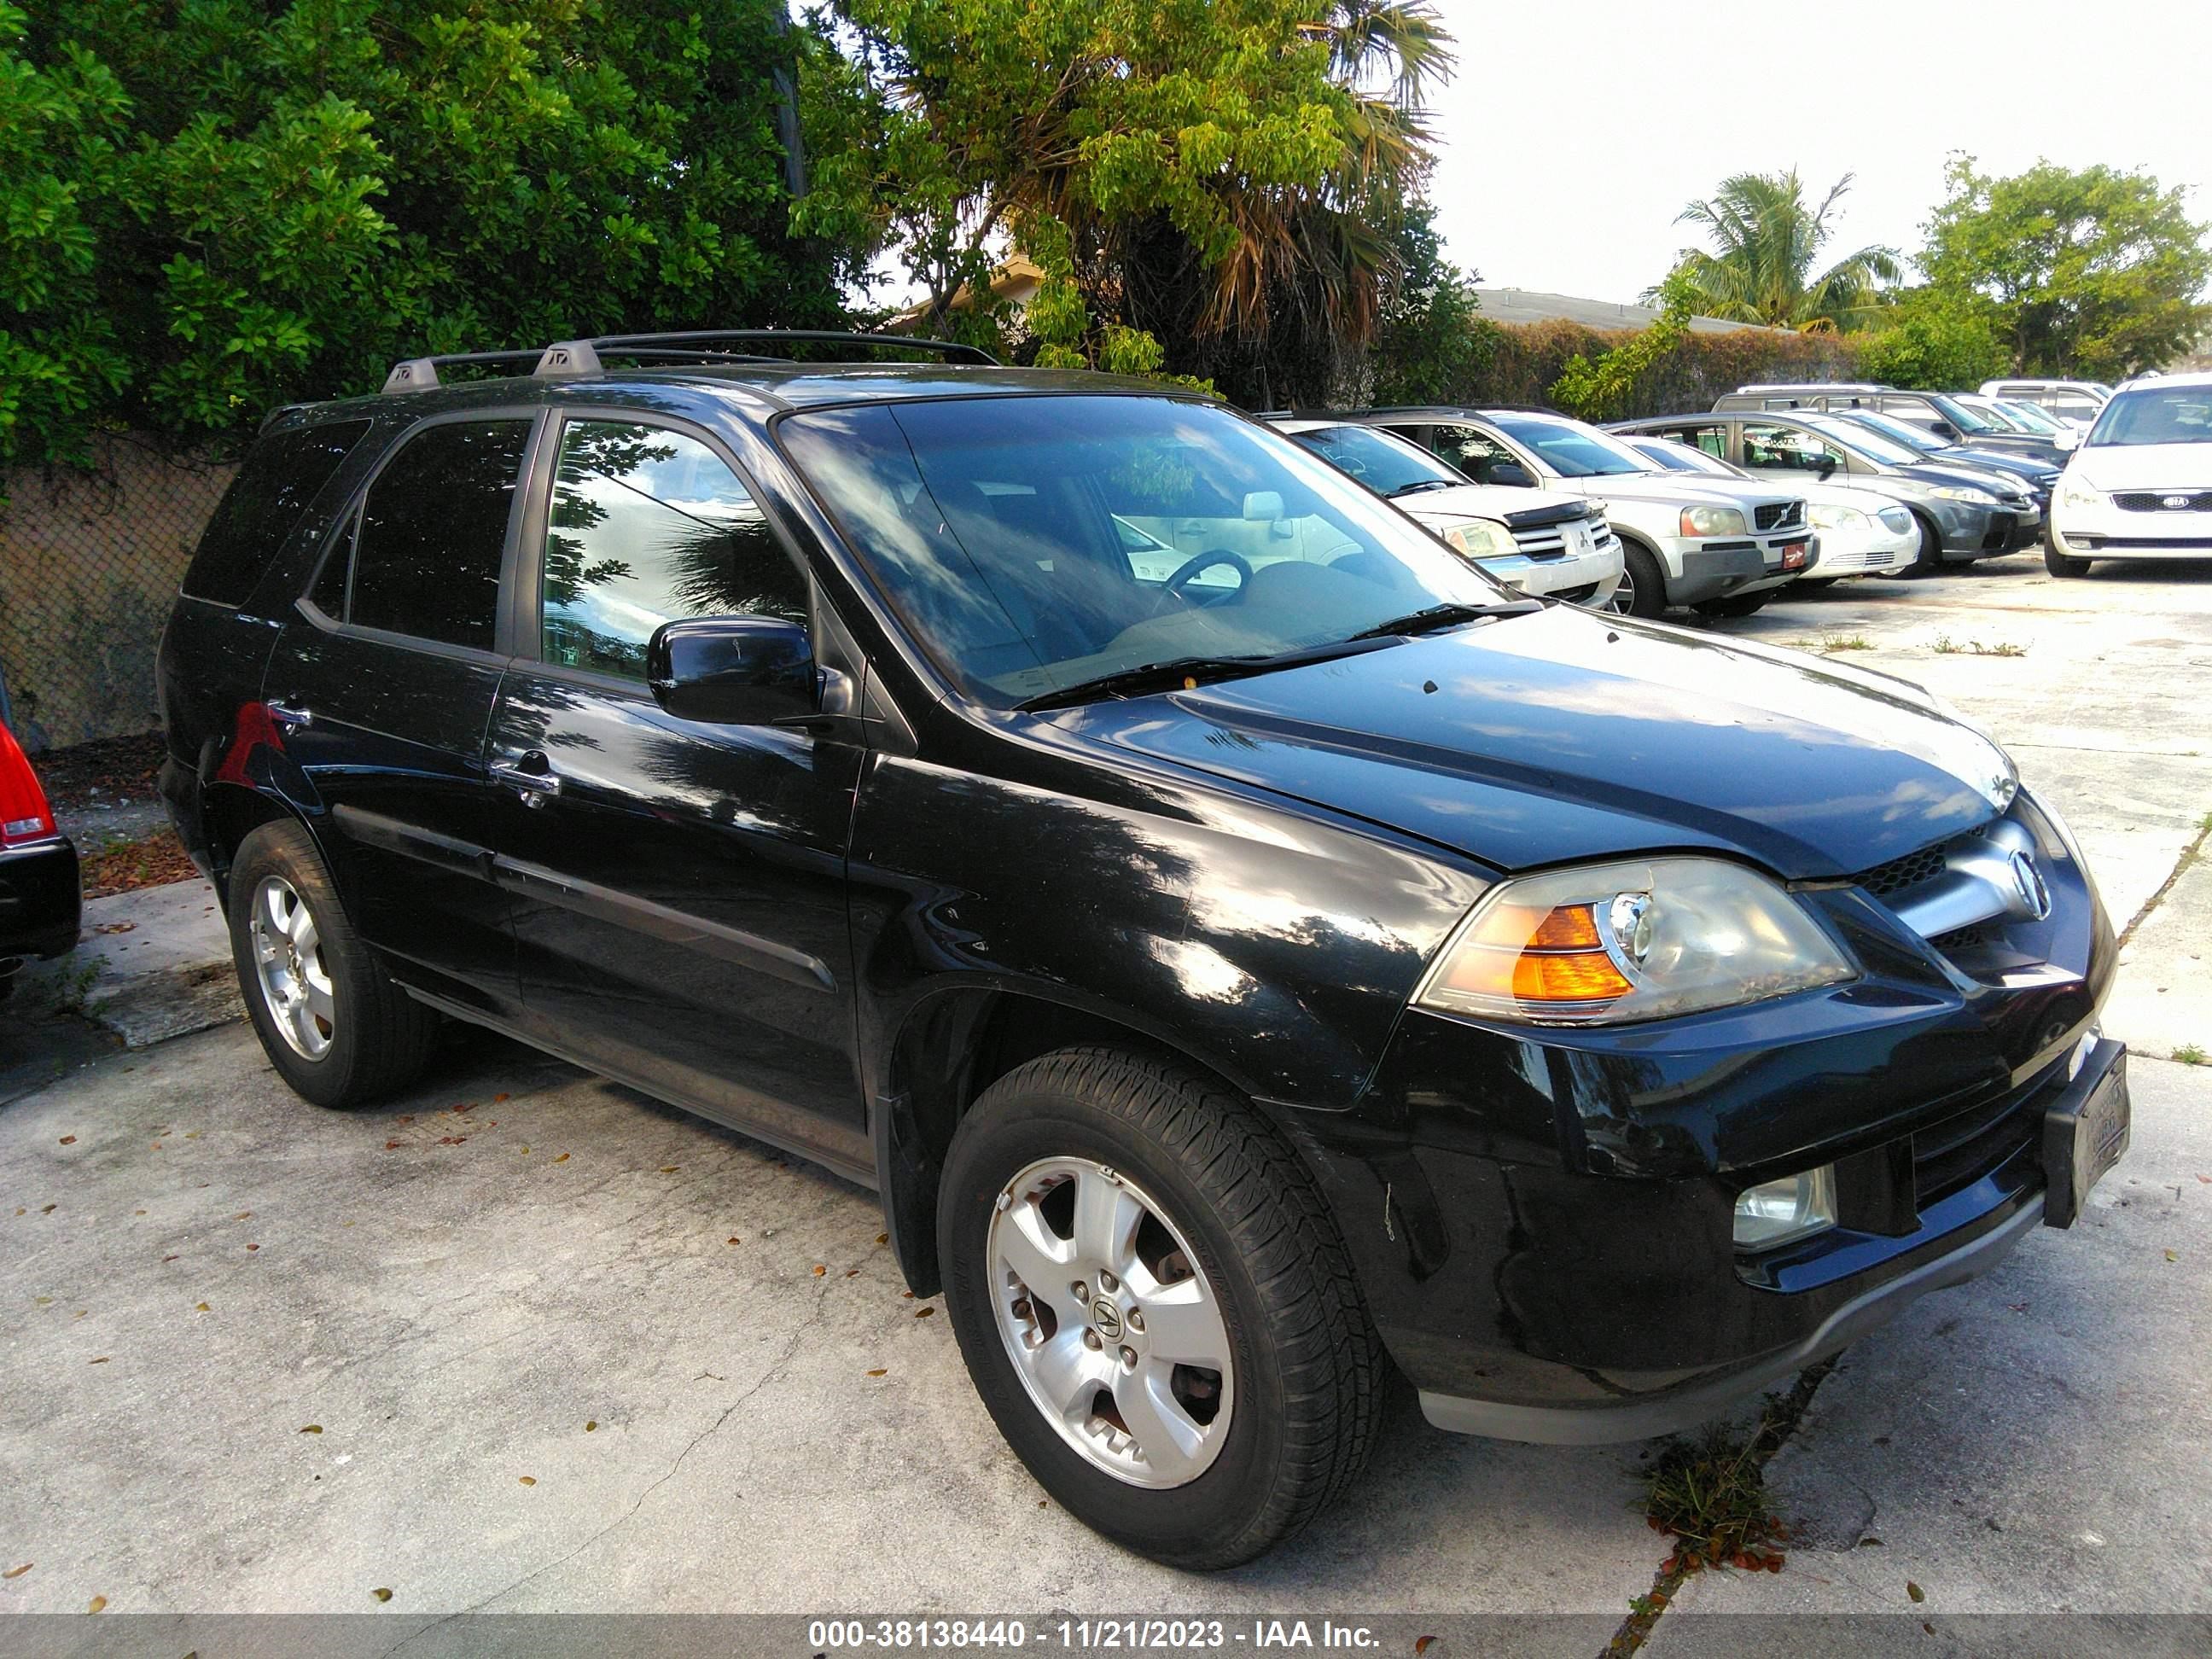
2080,494
1961,493
1712,521
1642,938
1837,518
1480,539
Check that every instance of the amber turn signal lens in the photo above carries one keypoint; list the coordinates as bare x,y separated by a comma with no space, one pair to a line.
1567,976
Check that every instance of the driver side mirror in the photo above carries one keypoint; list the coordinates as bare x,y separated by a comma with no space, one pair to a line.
1512,475
2066,441
1825,468
732,671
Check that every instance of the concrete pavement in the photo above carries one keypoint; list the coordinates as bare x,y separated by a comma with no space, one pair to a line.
567,1283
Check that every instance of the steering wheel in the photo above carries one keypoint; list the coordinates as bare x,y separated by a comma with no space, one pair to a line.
1190,568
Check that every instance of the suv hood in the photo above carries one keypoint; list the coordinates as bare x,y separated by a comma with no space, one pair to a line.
1558,736
2142,466
1503,502
1680,489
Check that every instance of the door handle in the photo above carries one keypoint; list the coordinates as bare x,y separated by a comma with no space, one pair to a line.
291,720
535,783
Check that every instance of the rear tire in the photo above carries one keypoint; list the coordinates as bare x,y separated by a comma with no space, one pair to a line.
1643,590
1231,1249
332,1021
2063,564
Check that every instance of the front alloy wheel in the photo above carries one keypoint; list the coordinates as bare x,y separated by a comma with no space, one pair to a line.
287,957
1115,1333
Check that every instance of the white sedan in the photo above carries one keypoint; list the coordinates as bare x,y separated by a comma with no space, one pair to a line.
1863,532
2140,485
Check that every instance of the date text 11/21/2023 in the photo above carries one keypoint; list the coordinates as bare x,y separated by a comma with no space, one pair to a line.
1087,1635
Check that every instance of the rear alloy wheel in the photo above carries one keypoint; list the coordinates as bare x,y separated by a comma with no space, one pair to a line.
332,1023
1643,590
1156,1306
2063,564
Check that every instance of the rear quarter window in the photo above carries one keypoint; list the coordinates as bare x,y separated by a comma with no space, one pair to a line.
281,475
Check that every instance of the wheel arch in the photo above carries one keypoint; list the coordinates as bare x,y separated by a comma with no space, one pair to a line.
951,1046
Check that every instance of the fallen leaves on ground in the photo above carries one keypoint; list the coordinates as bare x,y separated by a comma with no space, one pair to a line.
563,1158
2171,1256
98,1602
879,1371
69,1140
883,1239
923,1313
670,1169
102,1360
529,1479
17,1572
153,862
589,1426
313,1428
381,1593
202,1307
820,1269
1915,1591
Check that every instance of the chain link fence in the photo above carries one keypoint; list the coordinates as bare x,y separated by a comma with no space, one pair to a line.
89,564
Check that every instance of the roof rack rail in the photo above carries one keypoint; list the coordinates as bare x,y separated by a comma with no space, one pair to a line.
570,359
694,339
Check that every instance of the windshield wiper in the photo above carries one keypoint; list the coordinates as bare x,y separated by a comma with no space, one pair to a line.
1445,615
1417,486
1170,675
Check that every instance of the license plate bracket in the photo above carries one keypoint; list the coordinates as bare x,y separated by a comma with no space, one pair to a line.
2085,1131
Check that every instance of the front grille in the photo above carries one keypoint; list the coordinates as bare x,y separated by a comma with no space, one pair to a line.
1549,541
1779,516
1900,875
2167,501
1959,1150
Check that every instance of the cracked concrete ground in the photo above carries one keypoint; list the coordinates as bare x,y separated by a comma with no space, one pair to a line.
545,1287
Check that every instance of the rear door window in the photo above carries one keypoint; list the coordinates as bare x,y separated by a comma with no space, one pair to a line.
427,545
648,525
282,476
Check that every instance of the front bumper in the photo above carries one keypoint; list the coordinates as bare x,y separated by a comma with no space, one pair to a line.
1715,569
1597,571
1867,550
39,904
2109,532
1542,1217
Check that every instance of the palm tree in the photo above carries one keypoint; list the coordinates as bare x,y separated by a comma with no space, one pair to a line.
1765,238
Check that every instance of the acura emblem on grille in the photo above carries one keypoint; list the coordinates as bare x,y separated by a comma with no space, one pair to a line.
2033,893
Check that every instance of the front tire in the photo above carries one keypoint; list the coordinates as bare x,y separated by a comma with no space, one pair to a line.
1643,590
2063,564
332,1023
1217,1382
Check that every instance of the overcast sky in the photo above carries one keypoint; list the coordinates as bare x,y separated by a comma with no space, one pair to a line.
1573,134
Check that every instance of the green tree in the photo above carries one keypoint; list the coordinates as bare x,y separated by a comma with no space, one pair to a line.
2094,272
1935,339
239,202
1431,342
1767,240
1183,172
1599,390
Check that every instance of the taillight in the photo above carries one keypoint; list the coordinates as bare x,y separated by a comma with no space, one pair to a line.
24,814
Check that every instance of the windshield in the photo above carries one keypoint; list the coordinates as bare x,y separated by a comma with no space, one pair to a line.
1965,419
1387,465
2028,419
1682,458
1033,543
1900,432
1864,439
2155,415
1571,450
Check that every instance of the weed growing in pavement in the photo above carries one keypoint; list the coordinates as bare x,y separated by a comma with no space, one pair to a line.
2002,648
2190,1055
1946,645
1832,643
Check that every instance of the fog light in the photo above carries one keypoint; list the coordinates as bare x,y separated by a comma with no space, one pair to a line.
1779,1211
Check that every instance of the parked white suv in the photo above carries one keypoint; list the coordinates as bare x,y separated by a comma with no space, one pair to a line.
1546,544
2140,486
1721,547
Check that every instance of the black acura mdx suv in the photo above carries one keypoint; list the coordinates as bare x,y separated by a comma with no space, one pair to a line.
1249,950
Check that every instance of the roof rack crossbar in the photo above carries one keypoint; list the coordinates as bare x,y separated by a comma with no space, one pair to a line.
420,374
